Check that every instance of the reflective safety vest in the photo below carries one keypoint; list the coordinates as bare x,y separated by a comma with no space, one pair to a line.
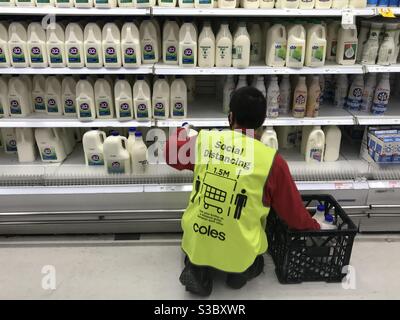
224,223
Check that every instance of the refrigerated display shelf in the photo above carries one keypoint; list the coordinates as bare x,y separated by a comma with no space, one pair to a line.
143,69
391,116
379,69
43,11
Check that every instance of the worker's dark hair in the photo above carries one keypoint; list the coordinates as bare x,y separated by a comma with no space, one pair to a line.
248,107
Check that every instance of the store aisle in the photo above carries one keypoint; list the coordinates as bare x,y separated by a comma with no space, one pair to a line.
101,268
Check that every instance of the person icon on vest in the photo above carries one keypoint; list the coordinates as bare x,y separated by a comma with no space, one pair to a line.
237,180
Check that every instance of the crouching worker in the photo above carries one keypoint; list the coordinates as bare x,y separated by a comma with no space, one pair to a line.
237,179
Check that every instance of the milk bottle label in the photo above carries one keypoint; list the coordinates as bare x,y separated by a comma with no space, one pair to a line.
104,107
48,153
2,56
110,55
204,51
255,48
95,159
159,109
69,106
237,52
17,55
130,55
148,52
38,103
222,51
354,99
142,111
187,1
11,145
316,154
380,101
205,1
74,55
295,53
102,1
171,54
55,55
142,1
116,167
350,49
43,1
52,106
280,52
84,110
36,55
178,109
188,56
125,110
15,107
317,53
81,1
92,55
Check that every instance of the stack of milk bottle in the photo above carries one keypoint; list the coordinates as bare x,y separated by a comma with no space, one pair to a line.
89,97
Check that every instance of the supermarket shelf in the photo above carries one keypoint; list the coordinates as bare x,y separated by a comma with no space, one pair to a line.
42,11
391,116
144,69
377,69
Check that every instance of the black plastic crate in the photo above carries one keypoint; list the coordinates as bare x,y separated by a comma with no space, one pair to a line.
311,255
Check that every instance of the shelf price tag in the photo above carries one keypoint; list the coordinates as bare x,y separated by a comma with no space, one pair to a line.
386,12
348,20
343,185
394,184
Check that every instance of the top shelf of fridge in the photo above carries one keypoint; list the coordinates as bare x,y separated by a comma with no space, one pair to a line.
43,11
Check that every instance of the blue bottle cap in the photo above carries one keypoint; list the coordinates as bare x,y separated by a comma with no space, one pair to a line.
329,218
138,134
132,129
115,133
321,207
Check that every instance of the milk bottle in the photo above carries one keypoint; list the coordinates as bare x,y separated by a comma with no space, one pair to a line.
74,45
287,4
306,4
223,47
387,47
83,3
206,55
103,99
131,138
249,4
362,38
276,46
314,93
25,3
26,146
226,4
126,3
371,47
149,43
286,136
130,46
296,46
267,4
229,88
53,96
331,46
56,46
37,45
123,99
260,85
381,96
145,3
19,99
38,93
93,50
339,4
17,44
178,102
323,4
68,140
273,98
186,3
204,4
342,86
4,52
255,42
68,96
85,100
7,3
241,47
346,51
357,4
355,93
64,3
9,140
300,98
306,130
167,3
188,45
105,3
4,108
368,93
315,145
138,151
116,155
333,136
161,98
142,99
269,138
111,46
92,142
51,148
285,95
170,42
316,46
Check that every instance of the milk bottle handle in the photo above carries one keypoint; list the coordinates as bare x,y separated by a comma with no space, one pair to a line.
124,142
103,136
55,133
282,31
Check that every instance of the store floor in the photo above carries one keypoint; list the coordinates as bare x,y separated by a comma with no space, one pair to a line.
103,268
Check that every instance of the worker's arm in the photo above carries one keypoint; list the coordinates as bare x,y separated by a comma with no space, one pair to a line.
179,150
281,194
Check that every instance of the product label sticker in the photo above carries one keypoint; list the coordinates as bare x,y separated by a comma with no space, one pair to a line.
188,56
280,52
38,103
237,52
142,111
11,145
125,1
69,106
204,51
130,55
148,52
92,55
104,108
55,55
316,154
142,1
125,110
43,1
205,1
159,109
52,106
295,53
48,153
102,1
116,167
74,55
2,56
166,1
171,54
81,1
95,159
350,49
317,53
187,1
36,55
178,109
333,48
15,107
110,55
222,50
84,110
17,55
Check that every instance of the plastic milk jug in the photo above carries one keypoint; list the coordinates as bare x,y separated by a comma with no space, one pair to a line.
167,3
363,38
145,3
53,96
381,96
229,88
255,42
241,47
286,136
333,136
116,155
19,97
323,4
249,4
226,4
269,138
7,3
161,98
285,95
142,99
92,142
276,46
288,4
204,4
4,105
85,103
51,148
37,45
315,145
306,130
123,99
187,45
68,96
300,98
223,47
83,3
206,55
296,46
368,93
138,151
267,4
387,47
170,42
105,3
273,98
103,99
74,45
25,3
149,43
186,3
356,90
64,3
357,4
331,45
306,4
56,46
126,3
17,44
339,4
131,139
130,46
26,145
346,51
111,46
316,46
4,52
9,140
38,93
93,51
342,86
178,103
371,47
314,92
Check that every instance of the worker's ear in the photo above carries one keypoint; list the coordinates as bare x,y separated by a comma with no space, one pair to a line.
231,119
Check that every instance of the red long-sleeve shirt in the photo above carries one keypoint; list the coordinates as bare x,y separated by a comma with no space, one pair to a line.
280,191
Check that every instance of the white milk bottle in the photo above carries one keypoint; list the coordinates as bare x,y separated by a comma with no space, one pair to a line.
103,99
242,82
56,46
285,95
342,86
7,3
269,138
17,44
53,96
157,27
356,90
315,145
9,140
204,4
26,145
161,98
37,52
170,42
186,3
19,97
116,156
131,139
307,4
167,3
178,101
187,45
149,42
340,4
38,93
64,3
138,151
314,92
142,99
130,46
223,47
300,98
123,99
296,46
126,3
346,51
105,3
86,109
357,4
331,45
4,52
381,96
387,47
249,4
25,3
83,3
241,47
49,142
45,3
273,98
306,130
275,55
371,47
74,45
259,85
227,4
363,38
145,3
267,4
111,45
206,54
255,42
229,88
287,4
323,4
368,93
4,107
316,46
92,142
333,136
68,96
286,136
93,51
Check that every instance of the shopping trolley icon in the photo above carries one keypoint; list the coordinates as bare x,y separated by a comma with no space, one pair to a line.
213,197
